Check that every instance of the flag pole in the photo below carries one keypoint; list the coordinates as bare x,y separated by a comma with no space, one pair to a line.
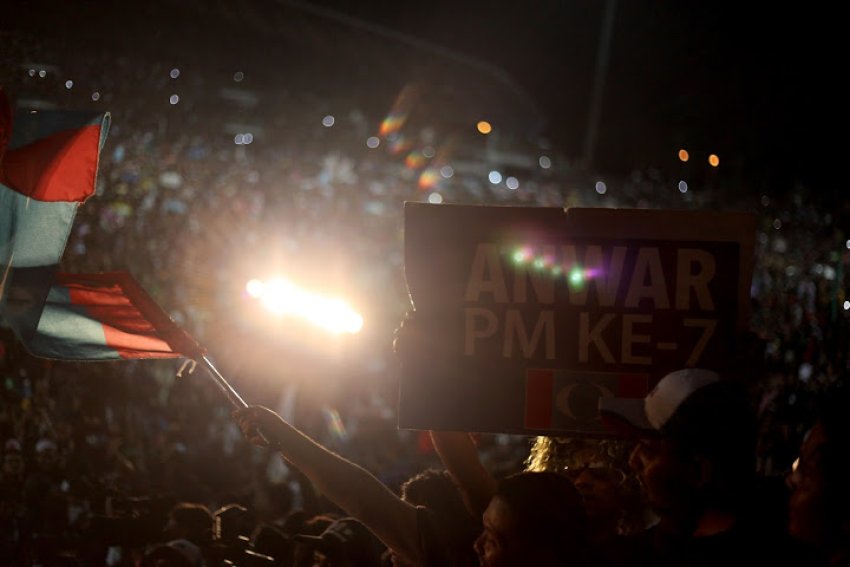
232,395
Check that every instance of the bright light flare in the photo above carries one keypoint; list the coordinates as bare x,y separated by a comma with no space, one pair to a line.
255,288
284,298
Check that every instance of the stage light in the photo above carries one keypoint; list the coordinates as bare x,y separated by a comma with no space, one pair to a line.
283,298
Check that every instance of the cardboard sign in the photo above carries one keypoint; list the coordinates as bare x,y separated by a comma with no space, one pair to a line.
532,314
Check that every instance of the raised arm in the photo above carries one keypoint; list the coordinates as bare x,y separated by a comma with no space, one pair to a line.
459,454
350,486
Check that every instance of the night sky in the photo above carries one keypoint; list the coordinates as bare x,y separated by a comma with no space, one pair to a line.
758,85
762,87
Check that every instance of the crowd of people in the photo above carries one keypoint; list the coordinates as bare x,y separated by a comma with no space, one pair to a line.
125,464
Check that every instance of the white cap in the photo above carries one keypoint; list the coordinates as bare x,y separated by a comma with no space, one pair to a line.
655,410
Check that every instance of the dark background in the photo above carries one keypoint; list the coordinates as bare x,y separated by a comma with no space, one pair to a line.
758,84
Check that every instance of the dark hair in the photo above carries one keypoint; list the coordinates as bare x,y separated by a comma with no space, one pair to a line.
436,490
269,540
231,521
717,423
833,414
195,521
548,511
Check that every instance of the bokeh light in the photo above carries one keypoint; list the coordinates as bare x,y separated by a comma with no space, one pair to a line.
373,142
495,177
601,188
684,155
414,160
484,127
683,186
512,183
429,178
328,121
545,162
713,160
392,124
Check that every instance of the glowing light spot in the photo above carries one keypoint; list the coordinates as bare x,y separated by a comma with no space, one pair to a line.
847,244
238,139
238,76
576,276
414,160
328,121
777,224
713,160
392,124
545,162
429,152
95,96
255,288
495,177
447,171
539,263
174,73
31,72
484,127
601,188
683,186
174,99
522,255
247,138
847,306
373,142
435,198
69,84
428,178
284,298
42,73
684,155
512,183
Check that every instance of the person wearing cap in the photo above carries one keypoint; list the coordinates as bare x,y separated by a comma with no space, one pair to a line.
695,457
344,543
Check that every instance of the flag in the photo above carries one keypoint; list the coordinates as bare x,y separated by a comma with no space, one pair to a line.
106,316
558,399
48,168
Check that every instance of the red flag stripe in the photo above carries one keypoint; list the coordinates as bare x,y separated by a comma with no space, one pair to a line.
132,322
538,398
59,167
